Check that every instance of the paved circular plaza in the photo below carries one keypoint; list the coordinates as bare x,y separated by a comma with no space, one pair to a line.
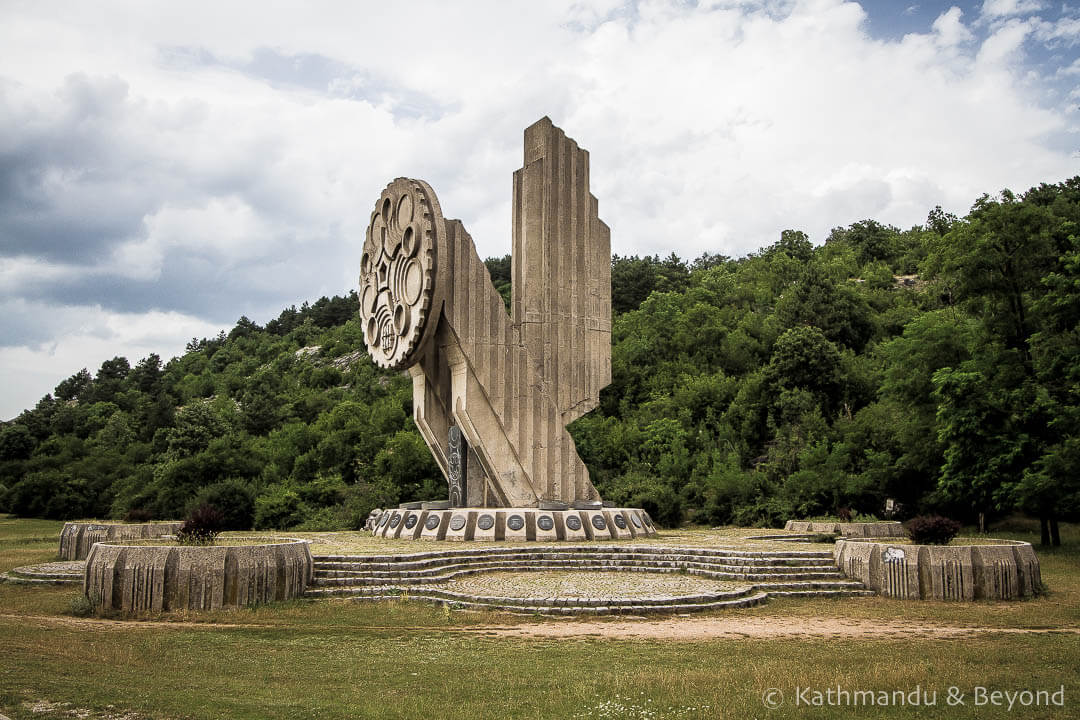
588,584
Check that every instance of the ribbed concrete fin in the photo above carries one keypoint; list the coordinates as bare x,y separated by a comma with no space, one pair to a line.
561,267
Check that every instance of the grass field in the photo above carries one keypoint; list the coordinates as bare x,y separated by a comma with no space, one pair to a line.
338,659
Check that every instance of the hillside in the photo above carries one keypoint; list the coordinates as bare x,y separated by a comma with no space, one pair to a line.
937,366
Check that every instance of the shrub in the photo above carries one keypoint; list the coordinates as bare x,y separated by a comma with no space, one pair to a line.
233,499
325,519
81,605
651,494
363,497
279,508
931,529
202,525
323,491
138,515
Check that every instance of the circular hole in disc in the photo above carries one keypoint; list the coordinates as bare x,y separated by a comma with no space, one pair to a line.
367,300
401,319
386,208
408,242
404,210
413,282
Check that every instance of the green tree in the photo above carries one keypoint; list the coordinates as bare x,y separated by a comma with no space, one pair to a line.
983,450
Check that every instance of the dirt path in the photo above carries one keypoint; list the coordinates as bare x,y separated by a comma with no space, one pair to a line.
731,628
676,628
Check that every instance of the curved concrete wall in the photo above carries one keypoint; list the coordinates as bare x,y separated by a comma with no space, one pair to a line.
942,572
133,578
883,529
77,538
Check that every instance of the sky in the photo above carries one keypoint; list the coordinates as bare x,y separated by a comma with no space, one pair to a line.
168,167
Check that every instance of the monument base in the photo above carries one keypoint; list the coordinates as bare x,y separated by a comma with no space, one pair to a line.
513,524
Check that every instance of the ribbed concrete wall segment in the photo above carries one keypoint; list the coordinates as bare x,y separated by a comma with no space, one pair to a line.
136,578
1005,571
883,529
77,538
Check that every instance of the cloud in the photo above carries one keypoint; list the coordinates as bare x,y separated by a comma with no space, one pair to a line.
63,339
154,164
950,28
1009,8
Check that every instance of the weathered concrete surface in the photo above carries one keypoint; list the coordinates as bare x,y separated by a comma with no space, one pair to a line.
77,538
504,387
431,574
64,572
523,524
942,572
882,529
135,578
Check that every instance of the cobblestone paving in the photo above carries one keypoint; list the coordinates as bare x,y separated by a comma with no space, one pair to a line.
575,584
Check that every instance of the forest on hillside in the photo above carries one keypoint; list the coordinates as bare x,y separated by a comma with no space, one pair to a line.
937,367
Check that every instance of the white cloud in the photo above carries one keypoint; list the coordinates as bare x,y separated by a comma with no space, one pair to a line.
950,29
1064,32
1009,8
84,337
156,161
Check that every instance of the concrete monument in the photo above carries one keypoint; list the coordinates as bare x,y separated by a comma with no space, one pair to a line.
493,392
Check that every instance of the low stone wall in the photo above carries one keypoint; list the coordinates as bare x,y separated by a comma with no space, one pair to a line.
513,524
942,572
77,538
133,578
884,529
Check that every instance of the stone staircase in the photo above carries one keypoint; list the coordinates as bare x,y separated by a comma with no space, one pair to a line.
56,573
795,573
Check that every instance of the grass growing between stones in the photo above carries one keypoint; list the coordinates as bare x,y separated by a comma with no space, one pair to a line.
409,660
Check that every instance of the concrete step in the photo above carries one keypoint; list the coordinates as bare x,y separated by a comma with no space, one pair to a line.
63,572
451,596
589,606
373,580
39,579
614,550
634,566
579,558
418,576
852,592
729,556
749,597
